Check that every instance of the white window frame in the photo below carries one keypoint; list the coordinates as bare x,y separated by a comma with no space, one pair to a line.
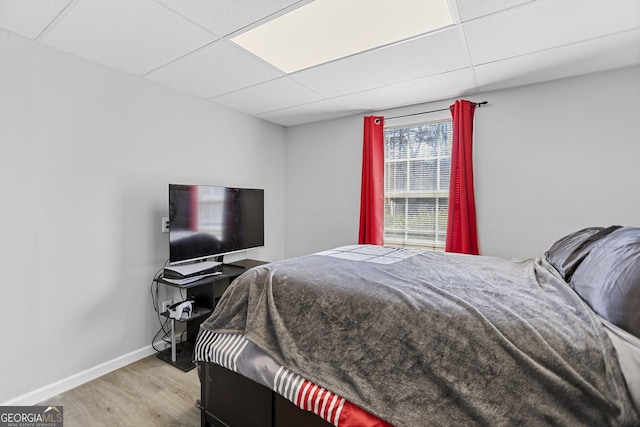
438,195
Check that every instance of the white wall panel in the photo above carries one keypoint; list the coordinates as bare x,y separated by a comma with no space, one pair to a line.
86,156
550,158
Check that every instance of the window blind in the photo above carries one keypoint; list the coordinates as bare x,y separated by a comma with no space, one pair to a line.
417,169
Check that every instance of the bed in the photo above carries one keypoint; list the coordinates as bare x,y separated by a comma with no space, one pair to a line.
376,336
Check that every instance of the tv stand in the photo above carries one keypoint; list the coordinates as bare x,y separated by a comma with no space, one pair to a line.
206,292
247,263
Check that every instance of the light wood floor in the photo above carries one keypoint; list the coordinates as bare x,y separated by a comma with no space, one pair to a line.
149,392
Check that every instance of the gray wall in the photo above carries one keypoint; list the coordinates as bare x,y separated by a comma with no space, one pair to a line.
86,154
549,159
323,185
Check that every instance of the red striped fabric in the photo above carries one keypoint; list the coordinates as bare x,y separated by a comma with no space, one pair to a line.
333,408
226,349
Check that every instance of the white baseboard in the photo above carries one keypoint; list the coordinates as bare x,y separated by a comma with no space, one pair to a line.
80,378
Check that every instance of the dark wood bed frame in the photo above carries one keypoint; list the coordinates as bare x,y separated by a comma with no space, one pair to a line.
230,400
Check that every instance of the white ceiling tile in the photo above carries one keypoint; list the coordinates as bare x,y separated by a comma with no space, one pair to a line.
405,61
500,44
315,111
614,51
269,96
441,86
214,70
224,17
546,24
133,36
472,9
29,18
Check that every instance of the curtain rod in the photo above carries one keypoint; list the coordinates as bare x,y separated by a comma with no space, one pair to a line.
476,104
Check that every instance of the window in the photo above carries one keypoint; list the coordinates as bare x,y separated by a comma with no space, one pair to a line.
416,184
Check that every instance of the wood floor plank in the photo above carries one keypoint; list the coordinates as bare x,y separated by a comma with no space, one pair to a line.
148,392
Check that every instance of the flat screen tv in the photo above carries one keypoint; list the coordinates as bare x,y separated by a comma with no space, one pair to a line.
209,221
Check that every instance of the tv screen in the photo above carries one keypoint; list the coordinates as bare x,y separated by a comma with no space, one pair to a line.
208,221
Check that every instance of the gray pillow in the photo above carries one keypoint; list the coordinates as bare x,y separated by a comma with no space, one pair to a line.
567,253
608,278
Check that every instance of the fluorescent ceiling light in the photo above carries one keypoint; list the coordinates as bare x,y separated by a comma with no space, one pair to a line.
325,30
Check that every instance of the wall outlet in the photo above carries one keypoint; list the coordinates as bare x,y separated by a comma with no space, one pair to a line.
165,306
165,224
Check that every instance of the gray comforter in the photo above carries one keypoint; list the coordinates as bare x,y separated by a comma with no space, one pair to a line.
434,339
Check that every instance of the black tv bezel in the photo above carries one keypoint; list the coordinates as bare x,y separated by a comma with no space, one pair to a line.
218,256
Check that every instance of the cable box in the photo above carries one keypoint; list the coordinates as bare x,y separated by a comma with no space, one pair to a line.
185,271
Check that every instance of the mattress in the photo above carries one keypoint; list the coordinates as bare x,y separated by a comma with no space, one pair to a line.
236,353
628,352
394,332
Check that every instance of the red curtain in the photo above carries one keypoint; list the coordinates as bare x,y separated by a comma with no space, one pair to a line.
372,192
462,236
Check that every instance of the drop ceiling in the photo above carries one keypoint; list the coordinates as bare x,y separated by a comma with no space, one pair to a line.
187,45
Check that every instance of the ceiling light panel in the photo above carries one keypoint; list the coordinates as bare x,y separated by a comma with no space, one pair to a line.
325,30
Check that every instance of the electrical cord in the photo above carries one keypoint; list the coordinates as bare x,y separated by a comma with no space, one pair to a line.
155,299
156,277
164,338
163,320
